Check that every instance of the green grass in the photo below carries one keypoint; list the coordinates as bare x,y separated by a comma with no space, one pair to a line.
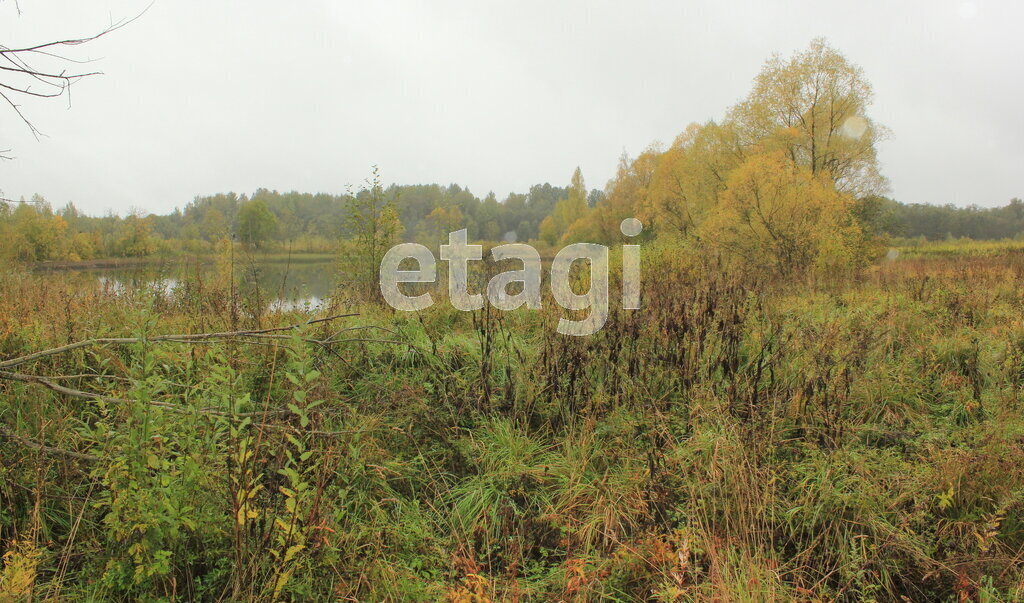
914,248
735,440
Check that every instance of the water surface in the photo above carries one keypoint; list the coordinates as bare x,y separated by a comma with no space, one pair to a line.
283,284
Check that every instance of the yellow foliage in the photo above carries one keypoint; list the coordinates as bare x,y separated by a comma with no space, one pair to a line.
587,229
19,571
777,216
773,185
444,220
688,177
473,590
547,231
36,233
813,107
600,224
556,227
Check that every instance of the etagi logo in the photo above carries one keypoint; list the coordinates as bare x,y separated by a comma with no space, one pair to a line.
458,254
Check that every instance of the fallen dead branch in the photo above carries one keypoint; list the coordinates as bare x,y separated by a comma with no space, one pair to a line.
51,450
275,333
77,393
178,338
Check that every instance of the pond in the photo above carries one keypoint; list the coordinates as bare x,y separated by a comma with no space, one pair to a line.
287,285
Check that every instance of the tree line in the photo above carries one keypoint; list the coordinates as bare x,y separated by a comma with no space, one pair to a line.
35,231
32,230
935,222
789,179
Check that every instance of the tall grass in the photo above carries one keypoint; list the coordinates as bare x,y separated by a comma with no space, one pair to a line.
736,439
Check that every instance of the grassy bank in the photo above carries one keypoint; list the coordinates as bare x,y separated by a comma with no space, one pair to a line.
735,439
158,260
918,248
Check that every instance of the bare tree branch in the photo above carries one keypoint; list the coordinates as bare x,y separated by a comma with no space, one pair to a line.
20,70
51,383
181,338
83,395
26,442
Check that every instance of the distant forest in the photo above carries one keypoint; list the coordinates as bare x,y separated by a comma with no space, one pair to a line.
302,222
305,222
935,222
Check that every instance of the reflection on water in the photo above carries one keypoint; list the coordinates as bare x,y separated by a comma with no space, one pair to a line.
296,286
276,285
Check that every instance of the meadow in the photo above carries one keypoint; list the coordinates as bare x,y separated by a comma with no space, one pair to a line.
738,438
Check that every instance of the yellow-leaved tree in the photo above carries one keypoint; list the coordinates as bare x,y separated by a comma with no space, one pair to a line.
37,234
813,107
600,224
777,184
689,176
439,223
778,217
555,227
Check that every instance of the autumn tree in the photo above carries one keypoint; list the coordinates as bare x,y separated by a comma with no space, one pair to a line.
439,222
214,225
622,199
813,107
135,236
36,233
554,227
688,177
784,181
256,224
779,217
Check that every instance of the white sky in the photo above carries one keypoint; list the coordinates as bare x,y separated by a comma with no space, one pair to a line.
216,96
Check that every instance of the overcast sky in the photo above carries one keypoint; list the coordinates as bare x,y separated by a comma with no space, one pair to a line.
206,97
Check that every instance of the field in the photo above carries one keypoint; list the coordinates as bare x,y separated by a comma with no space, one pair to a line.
855,438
